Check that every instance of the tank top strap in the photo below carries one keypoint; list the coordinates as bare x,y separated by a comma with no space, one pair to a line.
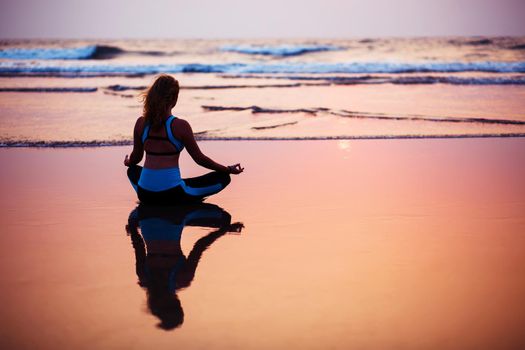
145,132
177,143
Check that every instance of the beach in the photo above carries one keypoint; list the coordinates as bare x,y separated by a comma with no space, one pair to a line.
381,207
366,244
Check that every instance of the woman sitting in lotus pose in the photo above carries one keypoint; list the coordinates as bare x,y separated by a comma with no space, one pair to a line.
163,136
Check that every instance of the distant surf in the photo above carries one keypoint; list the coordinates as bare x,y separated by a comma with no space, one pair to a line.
290,81
93,52
54,68
279,50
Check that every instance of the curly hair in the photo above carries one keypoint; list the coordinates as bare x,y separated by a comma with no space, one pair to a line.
160,98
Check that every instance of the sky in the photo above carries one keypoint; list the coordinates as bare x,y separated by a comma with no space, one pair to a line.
215,19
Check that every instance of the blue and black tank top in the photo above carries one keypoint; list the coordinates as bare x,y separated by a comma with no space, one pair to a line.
179,146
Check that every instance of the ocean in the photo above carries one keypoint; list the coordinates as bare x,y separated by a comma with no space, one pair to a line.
67,93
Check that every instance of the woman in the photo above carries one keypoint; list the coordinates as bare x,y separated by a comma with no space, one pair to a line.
163,136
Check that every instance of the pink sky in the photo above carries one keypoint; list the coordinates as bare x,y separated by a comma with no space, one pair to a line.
258,19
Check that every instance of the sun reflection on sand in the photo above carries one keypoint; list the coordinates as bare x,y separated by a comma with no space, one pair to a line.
344,145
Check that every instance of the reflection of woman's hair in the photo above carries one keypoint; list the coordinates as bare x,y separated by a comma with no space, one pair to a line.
166,306
159,98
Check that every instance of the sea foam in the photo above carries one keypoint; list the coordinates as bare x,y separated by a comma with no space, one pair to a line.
57,68
280,50
74,53
66,53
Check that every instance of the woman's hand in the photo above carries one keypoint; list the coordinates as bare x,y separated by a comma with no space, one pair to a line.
235,169
236,227
126,160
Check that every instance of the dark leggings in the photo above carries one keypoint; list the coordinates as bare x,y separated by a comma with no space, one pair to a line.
193,190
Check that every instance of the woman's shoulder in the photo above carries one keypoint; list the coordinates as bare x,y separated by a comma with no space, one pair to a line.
180,122
181,128
139,124
140,121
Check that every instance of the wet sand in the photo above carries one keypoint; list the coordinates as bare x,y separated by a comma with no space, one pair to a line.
336,111
367,244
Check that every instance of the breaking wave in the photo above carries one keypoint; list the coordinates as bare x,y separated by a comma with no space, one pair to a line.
11,68
403,80
93,52
280,50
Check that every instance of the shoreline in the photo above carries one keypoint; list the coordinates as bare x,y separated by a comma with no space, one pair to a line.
97,144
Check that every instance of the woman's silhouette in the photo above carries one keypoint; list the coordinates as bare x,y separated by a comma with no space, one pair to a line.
161,266
163,137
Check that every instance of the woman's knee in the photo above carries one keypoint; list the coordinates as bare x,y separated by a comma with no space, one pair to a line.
218,177
224,179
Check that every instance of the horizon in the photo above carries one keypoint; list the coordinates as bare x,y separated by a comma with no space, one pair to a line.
235,20
285,40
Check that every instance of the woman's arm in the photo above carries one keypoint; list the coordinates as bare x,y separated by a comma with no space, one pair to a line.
138,147
196,154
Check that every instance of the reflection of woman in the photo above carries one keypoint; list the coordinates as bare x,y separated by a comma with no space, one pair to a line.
163,136
161,266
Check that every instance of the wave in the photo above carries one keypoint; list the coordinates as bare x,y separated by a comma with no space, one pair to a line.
372,79
13,74
517,47
251,86
363,115
9,143
48,89
11,68
102,52
344,80
112,143
280,50
257,109
472,42
273,126
386,67
74,53
93,52
416,117
518,80
118,89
